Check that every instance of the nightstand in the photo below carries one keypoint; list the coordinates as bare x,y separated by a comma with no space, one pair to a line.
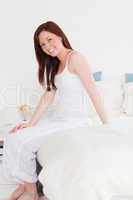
3,130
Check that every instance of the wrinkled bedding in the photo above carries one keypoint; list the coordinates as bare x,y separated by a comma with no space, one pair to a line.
91,163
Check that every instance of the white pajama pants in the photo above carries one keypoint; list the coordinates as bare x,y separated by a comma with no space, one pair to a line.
20,148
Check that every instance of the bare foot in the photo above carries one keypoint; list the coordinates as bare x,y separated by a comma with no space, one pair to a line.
17,193
30,192
28,196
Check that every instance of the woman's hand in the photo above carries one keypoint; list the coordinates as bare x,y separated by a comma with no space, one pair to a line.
105,122
20,126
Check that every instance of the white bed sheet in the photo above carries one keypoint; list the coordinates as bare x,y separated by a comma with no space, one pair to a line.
89,163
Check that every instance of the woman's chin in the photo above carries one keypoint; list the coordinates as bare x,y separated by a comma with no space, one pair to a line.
54,54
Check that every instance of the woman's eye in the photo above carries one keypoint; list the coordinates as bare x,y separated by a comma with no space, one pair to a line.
49,39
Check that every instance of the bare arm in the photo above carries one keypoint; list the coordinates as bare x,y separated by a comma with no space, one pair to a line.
82,69
45,100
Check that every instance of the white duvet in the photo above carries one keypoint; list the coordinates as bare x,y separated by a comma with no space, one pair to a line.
88,163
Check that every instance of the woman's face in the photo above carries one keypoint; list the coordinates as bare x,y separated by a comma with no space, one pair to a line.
50,43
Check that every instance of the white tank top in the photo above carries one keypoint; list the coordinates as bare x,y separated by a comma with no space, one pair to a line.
71,100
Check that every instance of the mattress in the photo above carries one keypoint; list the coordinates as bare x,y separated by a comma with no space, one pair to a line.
91,163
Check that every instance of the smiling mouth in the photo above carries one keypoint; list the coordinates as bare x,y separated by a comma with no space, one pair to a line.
51,50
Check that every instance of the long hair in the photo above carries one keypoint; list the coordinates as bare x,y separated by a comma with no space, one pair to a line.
48,65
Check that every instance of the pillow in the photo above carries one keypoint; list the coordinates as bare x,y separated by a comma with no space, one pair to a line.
97,76
112,96
128,99
128,77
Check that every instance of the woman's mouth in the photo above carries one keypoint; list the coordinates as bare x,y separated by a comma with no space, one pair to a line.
51,50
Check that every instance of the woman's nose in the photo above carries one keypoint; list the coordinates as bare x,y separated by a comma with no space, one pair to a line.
47,46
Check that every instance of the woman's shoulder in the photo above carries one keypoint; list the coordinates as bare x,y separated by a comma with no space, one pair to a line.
77,61
77,57
76,53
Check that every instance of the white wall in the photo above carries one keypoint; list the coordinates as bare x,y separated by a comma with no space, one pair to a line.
101,29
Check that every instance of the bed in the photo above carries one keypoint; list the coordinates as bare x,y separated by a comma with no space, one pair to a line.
91,163
86,163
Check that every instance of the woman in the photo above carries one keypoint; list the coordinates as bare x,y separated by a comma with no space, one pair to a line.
68,83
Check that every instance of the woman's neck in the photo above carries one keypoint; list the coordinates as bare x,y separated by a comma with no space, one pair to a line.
62,56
